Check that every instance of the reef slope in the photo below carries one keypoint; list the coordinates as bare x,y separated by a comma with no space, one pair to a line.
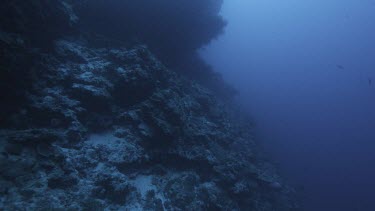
93,124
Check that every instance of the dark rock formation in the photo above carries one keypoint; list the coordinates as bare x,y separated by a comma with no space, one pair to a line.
89,126
173,31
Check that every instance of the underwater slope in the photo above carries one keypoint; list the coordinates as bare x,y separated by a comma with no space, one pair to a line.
91,126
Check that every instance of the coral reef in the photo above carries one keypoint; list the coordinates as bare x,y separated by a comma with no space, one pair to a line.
90,126
173,31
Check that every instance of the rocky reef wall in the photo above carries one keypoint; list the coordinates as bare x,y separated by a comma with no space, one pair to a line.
89,122
173,30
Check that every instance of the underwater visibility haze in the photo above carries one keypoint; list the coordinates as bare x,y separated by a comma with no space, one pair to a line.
305,72
258,105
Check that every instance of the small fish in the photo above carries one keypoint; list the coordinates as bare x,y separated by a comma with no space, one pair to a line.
369,81
300,188
340,67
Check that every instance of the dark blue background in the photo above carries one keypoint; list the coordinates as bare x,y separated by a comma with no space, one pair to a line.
302,68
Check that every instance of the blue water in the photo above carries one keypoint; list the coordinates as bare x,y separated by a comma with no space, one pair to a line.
305,70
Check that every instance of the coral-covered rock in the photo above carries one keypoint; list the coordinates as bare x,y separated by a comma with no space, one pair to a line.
94,127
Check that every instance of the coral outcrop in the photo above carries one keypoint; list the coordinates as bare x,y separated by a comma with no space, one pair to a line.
88,125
